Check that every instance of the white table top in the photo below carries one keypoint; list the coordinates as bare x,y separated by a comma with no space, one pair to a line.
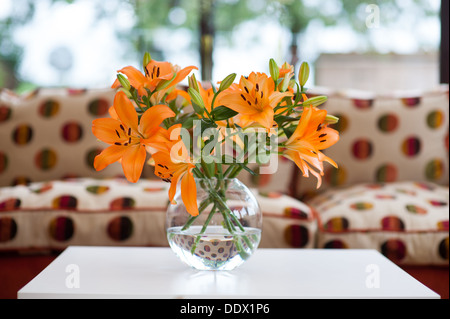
141,272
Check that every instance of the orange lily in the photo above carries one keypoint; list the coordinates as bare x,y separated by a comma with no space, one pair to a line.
174,166
155,73
310,137
128,136
254,100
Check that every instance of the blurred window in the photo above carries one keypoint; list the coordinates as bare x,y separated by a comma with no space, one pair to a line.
82,43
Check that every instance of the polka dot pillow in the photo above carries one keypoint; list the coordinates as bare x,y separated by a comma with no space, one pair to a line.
287,222
386,139
406,221
47,135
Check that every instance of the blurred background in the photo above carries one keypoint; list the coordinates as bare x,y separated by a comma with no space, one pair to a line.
367,45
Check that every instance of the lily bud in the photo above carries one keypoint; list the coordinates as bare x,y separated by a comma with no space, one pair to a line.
124,82
284,84
128,94
146,60
196,97
315,101
225,84
274,70
331,119
303,74
193,83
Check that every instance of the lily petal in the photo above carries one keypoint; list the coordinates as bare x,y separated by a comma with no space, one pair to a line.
153,117
182,74
108,130
135,77
108,156
133,162
125,111
189,193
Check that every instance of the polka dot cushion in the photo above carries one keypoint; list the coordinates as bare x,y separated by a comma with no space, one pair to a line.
47,135
287,222
280,181
406,221
87,211
386,139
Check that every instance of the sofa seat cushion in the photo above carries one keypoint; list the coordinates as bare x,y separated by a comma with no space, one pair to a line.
85,211
104,212
287,222
406,221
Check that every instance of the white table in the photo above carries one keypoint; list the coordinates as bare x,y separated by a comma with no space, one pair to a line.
140,272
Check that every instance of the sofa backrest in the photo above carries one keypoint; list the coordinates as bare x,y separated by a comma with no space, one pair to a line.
46,135
383,138
386,138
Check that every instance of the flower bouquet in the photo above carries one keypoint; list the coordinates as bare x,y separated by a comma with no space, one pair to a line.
200,138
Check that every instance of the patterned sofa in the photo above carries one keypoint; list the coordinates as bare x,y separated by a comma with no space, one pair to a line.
390,192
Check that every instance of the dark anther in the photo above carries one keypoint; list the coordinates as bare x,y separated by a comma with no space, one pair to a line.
117,143
322,135
246,90
117,133
242,95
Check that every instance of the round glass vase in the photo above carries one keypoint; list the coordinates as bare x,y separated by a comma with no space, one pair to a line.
227,230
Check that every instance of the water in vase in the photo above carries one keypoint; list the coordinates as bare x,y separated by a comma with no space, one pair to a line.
216,249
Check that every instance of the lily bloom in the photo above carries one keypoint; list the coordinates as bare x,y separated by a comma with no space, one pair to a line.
255,99
127,136
310,137
175,166
155,73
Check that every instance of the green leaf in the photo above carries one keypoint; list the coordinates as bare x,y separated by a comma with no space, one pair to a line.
206,123
281,119
288,131
222,112
188,123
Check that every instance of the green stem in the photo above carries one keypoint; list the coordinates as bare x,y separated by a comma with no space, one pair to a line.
236,171
202,231
201,208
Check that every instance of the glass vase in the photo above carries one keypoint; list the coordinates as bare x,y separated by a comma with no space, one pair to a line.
227,230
